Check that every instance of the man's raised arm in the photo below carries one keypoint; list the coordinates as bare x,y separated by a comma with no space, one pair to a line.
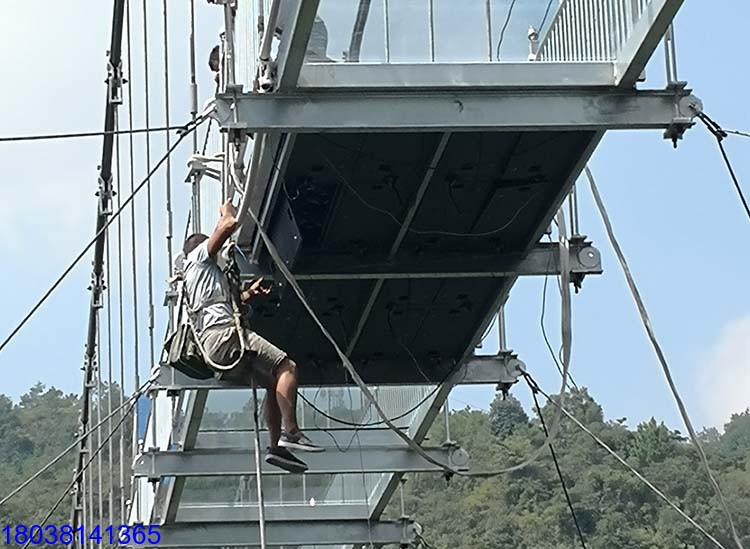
224,228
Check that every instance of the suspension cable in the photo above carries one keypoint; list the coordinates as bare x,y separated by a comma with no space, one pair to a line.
120,332
80,510
195,195
720,134
80,473
99,402
534,390
76,135
110,377
80,256
660,355
168,195
149,193
133,245
62,454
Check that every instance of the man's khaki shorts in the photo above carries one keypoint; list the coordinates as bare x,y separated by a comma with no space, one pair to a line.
261,360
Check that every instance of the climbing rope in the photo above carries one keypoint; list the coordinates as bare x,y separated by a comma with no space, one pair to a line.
258,468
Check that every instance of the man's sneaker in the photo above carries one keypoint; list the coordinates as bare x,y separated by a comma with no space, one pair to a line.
283,458
298,441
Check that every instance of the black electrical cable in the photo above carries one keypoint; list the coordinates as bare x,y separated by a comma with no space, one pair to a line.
374,423
720,134
187,131
624,463
736,182
534,391
75,135
505,27
737,132
546,15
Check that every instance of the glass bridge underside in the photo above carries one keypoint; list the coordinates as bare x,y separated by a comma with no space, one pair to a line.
407,167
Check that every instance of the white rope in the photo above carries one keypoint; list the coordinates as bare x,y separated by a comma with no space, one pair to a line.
258,469
660,355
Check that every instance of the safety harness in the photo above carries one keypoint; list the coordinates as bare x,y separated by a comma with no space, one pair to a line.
184,350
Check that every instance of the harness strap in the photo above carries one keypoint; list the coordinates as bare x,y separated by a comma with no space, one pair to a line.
236,315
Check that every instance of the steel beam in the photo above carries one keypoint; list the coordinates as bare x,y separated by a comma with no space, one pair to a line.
434,111
344,438
168,494
287,533
542,260
358,77
644,38
223,462
294,41
403,230
275,512
479,370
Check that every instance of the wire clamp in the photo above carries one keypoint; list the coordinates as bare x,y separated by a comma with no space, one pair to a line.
105,194
114,83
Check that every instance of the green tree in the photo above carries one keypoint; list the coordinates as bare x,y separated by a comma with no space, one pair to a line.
506,416
653,443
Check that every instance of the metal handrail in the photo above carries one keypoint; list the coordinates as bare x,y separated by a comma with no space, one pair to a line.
590,30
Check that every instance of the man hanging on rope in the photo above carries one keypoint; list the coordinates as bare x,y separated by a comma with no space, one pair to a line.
209,297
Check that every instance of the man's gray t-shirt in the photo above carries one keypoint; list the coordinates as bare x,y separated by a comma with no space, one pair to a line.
207,290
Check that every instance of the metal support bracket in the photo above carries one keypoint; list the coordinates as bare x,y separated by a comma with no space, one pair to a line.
585,259
230,3
222,462
685,108
105,194
115,81
504,367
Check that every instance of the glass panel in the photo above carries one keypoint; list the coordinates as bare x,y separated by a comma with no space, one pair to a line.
421,31
232,410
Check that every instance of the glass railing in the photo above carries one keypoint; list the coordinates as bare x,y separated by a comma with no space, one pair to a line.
450,31
426,31
228,411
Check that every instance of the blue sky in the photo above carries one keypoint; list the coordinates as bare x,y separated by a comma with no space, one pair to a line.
675,211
